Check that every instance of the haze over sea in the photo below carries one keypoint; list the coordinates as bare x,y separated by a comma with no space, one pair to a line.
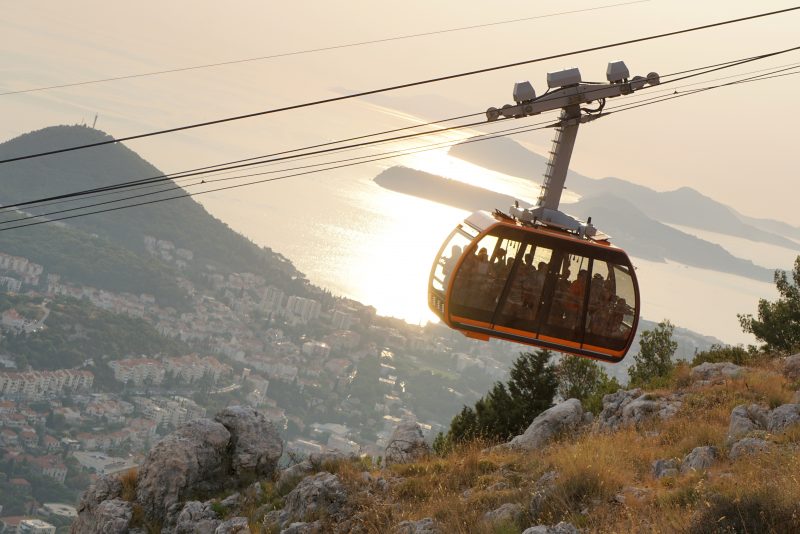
359,240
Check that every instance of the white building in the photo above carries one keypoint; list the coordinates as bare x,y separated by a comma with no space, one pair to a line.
35,526
138,370
303,309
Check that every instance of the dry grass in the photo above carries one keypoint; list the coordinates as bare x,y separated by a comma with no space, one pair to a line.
130,481
605,482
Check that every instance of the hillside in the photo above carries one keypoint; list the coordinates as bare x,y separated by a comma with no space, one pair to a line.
714,451
75,331
184,222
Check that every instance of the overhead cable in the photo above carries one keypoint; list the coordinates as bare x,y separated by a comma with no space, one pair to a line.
321,49
476,138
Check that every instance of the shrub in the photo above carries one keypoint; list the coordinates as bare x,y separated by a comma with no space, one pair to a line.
725,353
507,409
654,359
778,323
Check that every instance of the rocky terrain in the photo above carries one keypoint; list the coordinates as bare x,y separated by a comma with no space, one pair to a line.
715,452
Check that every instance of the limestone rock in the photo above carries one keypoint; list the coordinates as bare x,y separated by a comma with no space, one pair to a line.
712,373
610,417
290,476
506,513
304,528
632,407
700,459
561,528
189,460
783,417
255,443
110,517
563,418
791,367
106,488
423,526
745,419
747,446
321,494
195,518
235,525
406,444
665,468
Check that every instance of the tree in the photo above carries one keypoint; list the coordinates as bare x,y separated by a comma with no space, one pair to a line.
585,380
507,409
577,377
778,323
654,359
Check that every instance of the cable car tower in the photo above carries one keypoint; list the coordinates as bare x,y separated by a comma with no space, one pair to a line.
537,275
567,92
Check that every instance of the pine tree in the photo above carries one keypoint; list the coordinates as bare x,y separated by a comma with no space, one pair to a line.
507,409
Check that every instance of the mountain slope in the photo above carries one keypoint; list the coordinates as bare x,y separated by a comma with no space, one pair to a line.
631,228
647,238
184,222
684,206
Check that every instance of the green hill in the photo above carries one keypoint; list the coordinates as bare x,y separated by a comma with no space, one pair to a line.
108,250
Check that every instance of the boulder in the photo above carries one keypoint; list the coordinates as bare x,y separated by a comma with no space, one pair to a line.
563,418
194,517
110,517
423,526
406,444
713,373
700,459
747,446
745,419
319,495
665,468
610,417
190,460
561,528
507,513
783,417
791,367
632,407
290,476
90,519
234,525
254,443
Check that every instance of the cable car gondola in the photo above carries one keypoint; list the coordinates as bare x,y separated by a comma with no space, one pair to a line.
538,276
495,277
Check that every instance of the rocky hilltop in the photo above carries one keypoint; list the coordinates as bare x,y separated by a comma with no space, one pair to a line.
715,452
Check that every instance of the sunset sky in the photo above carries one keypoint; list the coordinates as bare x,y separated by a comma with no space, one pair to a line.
733,144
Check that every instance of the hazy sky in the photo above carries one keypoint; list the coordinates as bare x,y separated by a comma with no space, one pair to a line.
737,144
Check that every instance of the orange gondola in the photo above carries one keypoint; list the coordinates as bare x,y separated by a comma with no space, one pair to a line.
537,275
497,277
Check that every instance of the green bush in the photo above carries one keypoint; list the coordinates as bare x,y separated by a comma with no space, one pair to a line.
778,323
725,353
654,359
